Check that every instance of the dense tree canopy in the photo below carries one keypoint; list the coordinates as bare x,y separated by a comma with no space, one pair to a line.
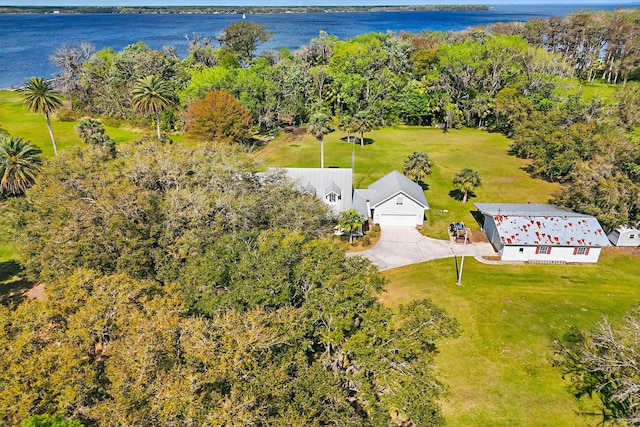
184,289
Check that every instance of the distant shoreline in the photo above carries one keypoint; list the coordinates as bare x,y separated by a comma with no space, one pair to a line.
231,10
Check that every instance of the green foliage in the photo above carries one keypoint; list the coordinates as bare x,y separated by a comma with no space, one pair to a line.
108,79
66,115
151,95
177,201
351,220
466,180
243,37
93,133
604,363
20,165
40,97
49,421
319,126
417,167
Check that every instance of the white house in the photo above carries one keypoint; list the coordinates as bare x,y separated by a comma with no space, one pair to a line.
625,236
334,186
393,200
542,233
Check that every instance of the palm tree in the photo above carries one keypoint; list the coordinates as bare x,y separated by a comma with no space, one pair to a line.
466,180
41,97
350,221
151,95
417,166
319,126
89,128
363,122
19,165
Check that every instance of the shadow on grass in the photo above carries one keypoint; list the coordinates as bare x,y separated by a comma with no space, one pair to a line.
423,185
12,284
459,195
356,140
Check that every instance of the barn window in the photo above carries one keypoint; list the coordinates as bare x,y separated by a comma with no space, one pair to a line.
581,251
332,197
632,236
544,250
399,200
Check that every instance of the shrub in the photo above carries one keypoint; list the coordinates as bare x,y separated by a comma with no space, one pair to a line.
66,115
366,240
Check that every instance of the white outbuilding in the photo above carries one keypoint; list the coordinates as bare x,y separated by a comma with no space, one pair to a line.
625,236
542,233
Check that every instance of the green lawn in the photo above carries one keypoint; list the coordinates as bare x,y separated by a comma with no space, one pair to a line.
19,121
498,370
597,88
503,177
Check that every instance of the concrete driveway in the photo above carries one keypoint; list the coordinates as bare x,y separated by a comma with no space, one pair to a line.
400,246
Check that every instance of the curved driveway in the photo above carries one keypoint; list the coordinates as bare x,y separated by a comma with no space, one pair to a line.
400,246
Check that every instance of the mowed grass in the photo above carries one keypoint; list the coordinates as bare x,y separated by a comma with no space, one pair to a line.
498,371
16,118
503,177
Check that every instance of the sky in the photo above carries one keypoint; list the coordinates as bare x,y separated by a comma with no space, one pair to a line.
282,2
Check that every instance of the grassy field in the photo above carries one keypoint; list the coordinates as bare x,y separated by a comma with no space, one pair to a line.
498,370
503,177
596,88
19,121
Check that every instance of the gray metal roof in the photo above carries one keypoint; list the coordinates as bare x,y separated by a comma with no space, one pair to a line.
529,209
548,225
333,188
360,198
310,188
392,184
327,178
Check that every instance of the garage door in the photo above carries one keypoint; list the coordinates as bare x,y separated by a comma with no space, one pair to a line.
397,220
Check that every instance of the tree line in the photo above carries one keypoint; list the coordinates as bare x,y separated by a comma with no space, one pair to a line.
510,78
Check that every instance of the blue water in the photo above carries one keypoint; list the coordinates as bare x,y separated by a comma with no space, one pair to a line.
27,41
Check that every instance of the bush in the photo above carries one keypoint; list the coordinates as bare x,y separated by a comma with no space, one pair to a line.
375,228
111,122
66,115
366,240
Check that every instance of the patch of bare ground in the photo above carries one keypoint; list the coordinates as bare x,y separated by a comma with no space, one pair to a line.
477,236
622,250
36,292
358,245
294,133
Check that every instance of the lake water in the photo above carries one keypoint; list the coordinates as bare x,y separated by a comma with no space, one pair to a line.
27,41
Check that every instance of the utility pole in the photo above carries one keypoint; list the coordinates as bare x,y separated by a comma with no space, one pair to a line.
459,283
